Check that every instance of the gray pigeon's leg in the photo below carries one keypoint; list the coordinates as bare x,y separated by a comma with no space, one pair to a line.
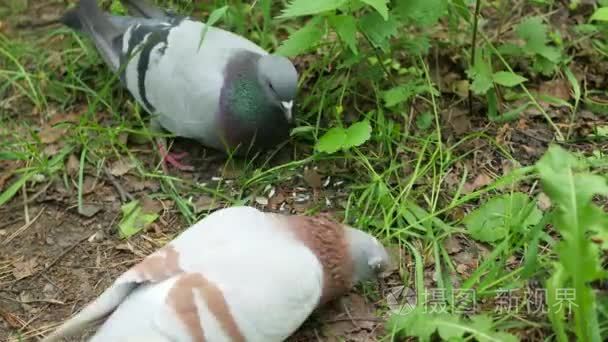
167,157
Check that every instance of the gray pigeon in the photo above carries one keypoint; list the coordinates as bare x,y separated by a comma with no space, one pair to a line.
229,94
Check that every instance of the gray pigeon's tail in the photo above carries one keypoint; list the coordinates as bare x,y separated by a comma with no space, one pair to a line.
88,18
142,8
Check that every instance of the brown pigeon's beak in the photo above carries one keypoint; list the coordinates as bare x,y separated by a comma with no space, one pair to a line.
287,106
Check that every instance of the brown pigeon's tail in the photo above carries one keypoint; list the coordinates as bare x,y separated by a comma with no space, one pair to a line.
96,311
88,18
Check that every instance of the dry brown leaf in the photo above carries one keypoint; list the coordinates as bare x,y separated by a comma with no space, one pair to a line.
24,269
12,320
121,167
151,206
544,202
313,178
205,203
50,133
453,245
481,180
89,210
275,201
7,174
558,88
458,119
72,165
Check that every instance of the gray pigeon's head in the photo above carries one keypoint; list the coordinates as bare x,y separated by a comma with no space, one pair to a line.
279,78
369,256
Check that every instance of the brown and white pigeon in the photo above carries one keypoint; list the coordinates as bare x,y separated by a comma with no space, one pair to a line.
239,274
227,93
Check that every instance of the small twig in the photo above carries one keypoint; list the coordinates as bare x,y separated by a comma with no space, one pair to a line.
124,194
23,228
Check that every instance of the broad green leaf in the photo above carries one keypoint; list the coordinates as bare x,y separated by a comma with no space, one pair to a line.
424,120
346,27
134,219
332,140
378,30
298,8
397,95
572,188
214,17
424,13
302,40
508,79
422,324
534,32
500,215
481,73
576,88
117,8
601,14
380,6
357,134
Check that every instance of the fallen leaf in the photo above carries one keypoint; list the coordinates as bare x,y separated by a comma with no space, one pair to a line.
134,219
51,132
261,200
206,203
72,165
544,202
558,88
313,178
151,206
481,180
462,268
457,119
50,135
6,175
12,320
121,167
51,150
88,184
89,210
24,269
275,201
452,244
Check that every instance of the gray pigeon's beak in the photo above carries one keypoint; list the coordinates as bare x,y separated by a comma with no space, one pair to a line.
287,106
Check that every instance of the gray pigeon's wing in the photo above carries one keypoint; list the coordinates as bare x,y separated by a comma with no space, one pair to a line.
143,8
87,17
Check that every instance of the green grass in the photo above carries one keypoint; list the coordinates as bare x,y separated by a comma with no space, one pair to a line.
407,182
